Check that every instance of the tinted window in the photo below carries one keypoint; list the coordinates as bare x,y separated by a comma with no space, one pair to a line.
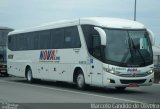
36,40
21,42
2,37
44,39
96,46
49,39
72,39
30,41
12,42
87,31
92,38
2,54
57,38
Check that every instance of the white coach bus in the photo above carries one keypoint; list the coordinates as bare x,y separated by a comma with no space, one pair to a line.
98,51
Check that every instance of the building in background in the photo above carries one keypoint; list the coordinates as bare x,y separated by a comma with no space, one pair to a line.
156,57
3,41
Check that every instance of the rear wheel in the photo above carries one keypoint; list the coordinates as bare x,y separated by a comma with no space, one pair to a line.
29,75
80,80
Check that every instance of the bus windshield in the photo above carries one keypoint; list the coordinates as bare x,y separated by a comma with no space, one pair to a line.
2,54
128,48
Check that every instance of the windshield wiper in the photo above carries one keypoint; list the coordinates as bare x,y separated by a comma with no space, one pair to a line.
138,51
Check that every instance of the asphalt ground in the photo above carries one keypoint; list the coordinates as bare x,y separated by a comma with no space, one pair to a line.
52,94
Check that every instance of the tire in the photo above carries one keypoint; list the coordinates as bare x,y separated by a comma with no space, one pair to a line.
80,80
120,88
29,76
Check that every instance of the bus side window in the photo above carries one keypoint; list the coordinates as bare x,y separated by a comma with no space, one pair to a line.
88,32
92,39
72,39
44,39
35,40
21,42
57,38
96,46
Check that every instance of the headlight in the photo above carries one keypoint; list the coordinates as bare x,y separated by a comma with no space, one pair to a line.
113,72
150,72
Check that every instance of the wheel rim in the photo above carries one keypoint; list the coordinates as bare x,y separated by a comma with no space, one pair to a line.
80,80
29,75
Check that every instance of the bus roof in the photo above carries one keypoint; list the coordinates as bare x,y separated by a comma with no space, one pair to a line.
5,28
112,23
97,21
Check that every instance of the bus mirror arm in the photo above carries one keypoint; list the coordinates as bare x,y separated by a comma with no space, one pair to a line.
102,35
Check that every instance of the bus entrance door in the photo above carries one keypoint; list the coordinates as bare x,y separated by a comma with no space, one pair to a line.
96,72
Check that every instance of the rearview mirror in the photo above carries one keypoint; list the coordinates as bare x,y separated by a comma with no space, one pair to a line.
151,36
102,35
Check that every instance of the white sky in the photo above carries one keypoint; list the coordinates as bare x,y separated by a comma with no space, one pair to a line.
19,14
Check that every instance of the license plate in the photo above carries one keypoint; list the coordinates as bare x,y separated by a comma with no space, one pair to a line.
132,85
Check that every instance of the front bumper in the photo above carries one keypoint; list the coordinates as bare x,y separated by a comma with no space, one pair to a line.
3,69
111,80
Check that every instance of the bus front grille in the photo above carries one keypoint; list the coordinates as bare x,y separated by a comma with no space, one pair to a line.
135,75
133,81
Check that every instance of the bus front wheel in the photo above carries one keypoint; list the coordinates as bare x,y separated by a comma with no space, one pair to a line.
80,80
